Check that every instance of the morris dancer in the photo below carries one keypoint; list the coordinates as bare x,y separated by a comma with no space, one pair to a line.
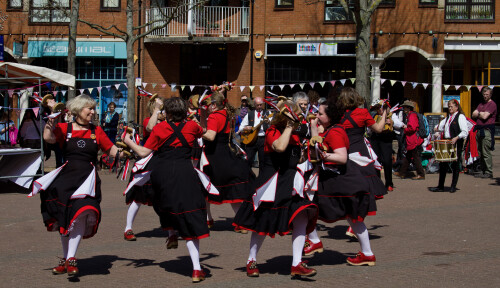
71,194
342,192
178,198
139,195
276,208
229,173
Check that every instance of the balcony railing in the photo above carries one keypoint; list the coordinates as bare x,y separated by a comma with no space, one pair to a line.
467,10
209,21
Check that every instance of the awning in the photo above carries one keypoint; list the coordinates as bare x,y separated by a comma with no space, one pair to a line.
19,74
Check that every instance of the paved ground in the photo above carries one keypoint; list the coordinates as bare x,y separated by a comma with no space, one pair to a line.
420,239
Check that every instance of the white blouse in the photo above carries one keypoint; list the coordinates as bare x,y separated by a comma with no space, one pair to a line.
444,126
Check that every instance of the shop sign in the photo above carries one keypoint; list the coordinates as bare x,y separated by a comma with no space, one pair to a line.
447,98
83,49
316,49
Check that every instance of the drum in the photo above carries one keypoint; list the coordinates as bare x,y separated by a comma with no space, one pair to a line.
444,151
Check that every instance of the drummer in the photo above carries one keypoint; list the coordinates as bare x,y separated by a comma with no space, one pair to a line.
453,127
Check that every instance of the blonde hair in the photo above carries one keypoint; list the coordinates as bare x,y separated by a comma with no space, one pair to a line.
349,99
76,105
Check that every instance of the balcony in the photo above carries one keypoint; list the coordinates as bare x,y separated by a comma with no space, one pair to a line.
210,24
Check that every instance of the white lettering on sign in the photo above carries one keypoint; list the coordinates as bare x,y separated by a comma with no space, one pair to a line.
63,49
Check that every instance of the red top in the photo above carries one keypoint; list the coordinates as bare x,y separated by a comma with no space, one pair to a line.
217,120
162,131
412,139
102,139
145,132
272,134
491,107
361,116
336,139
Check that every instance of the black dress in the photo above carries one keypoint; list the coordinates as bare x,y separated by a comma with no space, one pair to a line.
342,193
179,197
60,207
276,217
229,173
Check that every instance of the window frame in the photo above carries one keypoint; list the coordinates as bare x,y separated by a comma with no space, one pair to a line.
333,5
14,8
111,9
428,4
50,11
281,6
468,4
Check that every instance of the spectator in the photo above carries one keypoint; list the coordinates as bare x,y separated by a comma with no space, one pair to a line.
485,115
110,122
5,124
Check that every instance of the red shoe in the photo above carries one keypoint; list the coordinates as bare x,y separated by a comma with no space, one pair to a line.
350,233
129,235
390,189
210,223
310,248
172,242
198,276
362,259
60,268
71,266
252,270
302,270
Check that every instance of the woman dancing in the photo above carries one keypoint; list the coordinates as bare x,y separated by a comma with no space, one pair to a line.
71,194
276,208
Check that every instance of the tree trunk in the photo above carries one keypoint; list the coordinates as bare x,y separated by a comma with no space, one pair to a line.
130,63
73,24
363,59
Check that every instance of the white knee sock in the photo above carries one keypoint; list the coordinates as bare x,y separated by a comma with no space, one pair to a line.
298,237
133,209
75,236
64,242
209,213
313,236
194,251
236,207
360,230
256,241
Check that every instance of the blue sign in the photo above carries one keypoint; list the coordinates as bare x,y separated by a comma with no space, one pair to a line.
83,49
1,48
18,48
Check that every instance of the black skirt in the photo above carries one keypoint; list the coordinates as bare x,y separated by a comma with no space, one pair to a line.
276,217
229,173
141,194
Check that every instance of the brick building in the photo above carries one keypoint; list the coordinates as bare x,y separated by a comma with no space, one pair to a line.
424,50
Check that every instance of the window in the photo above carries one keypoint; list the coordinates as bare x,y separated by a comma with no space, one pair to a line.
470,10
283,3
49,11
428,3
110,5
334,12
14,4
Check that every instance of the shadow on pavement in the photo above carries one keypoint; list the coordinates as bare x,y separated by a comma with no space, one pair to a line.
338,232
10,187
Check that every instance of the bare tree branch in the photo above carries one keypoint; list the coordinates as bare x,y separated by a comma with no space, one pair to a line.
106,31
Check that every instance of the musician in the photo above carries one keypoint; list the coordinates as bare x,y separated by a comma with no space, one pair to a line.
453,127
142,195
178,198
229,173
342,189
70,202
382,142
257,117
287,210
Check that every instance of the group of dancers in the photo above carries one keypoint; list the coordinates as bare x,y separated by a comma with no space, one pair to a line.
313,167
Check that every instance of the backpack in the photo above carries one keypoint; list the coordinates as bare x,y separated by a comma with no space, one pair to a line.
423,126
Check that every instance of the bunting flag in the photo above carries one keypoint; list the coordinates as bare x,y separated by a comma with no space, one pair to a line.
468,87
352,80
30,90
81,91
302,85
11,91
117,86
190,87
182,87
342,81
393,82
414,84
163,85
262,87
108,87
144,84
403,83
54,93
322,84
333,83
425,85
251,88
172,87
126,85
242,88
272,87
382,81
90,90
64,92
154,85
479,87
36,111
446,87
491,86
292,85
312,84
282,86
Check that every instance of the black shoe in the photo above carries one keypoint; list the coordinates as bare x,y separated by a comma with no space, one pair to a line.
453,190
436,189
487,175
